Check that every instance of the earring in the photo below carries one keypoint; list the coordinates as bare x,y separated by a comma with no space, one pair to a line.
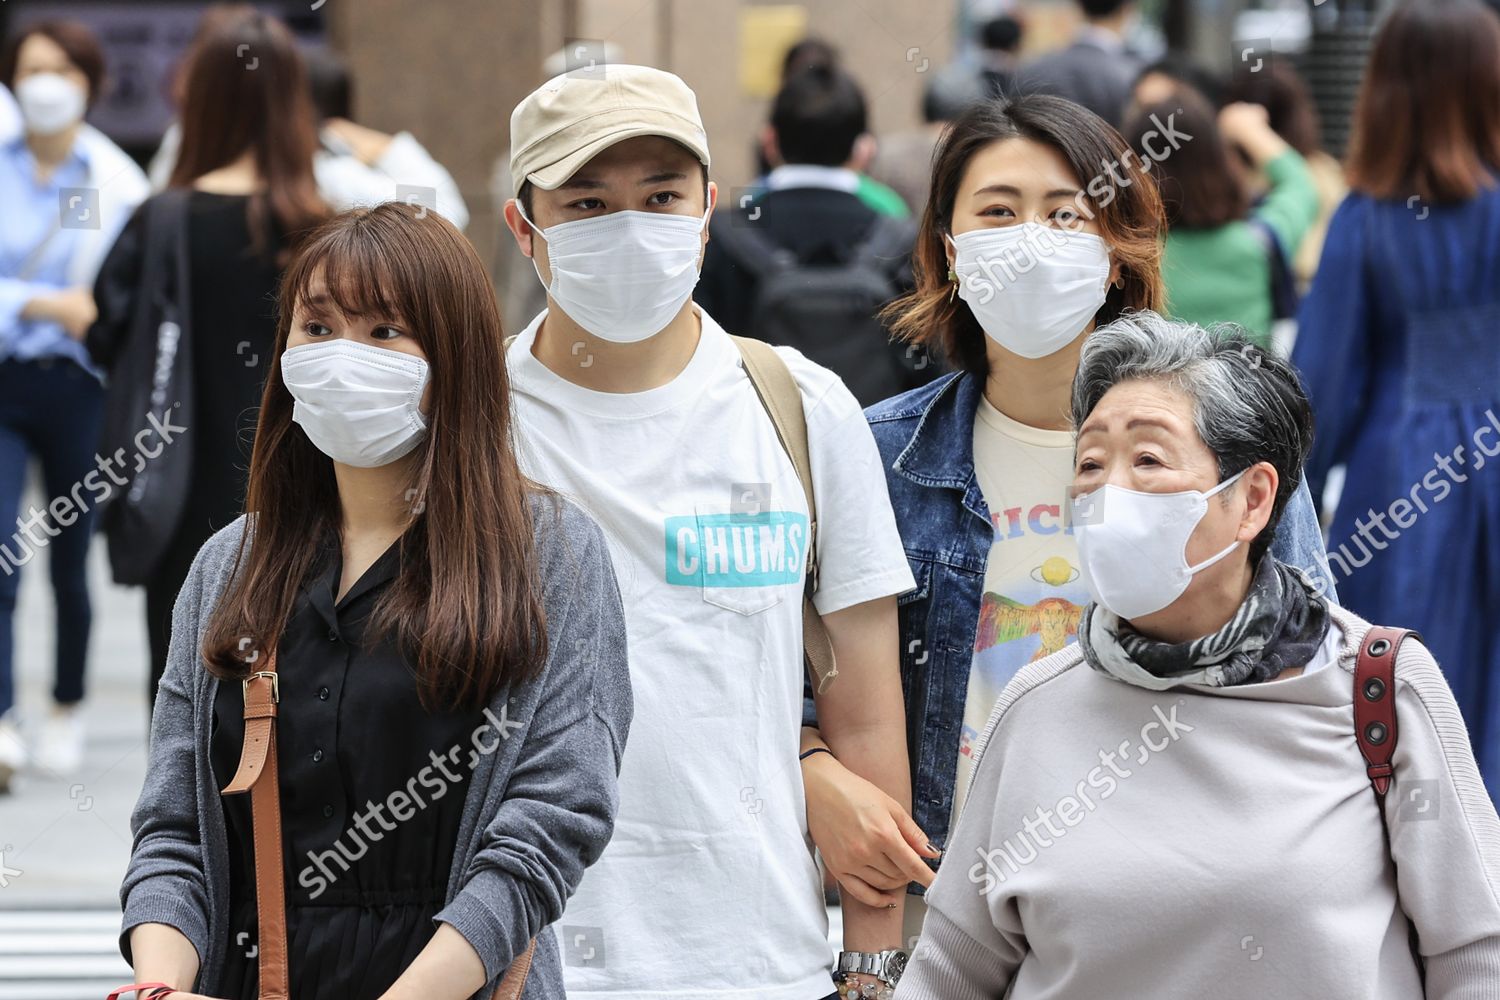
952,283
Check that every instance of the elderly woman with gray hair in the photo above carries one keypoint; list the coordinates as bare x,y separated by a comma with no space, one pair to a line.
1178,805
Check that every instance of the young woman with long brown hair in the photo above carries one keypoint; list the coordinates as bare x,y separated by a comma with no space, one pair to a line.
1041,224
449,647
185,301
1398,347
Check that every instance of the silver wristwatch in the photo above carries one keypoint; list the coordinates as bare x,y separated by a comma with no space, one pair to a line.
885,966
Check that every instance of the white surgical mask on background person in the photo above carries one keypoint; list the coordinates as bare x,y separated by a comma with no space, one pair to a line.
360,405
1033,288
623,276
50,102
1132,546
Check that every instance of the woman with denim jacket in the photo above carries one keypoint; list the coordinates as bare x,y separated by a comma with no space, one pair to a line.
1041,224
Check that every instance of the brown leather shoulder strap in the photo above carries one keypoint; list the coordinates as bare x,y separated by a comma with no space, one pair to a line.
513,984
782,400
1375,702
257,774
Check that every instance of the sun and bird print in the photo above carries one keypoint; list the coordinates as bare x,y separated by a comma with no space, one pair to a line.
1033,592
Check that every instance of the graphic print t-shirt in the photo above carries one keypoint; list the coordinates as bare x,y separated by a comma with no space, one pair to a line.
1033,593
708,887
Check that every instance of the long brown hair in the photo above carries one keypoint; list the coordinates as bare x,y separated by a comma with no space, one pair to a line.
1130,219
244,87
1428,118
464,606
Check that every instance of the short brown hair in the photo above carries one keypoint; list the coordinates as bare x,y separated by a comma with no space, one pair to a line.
1428,118
78,43
1202,186
1130,219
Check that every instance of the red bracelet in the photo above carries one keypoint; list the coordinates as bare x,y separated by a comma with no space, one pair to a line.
157,990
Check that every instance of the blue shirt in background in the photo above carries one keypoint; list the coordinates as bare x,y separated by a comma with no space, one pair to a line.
32,211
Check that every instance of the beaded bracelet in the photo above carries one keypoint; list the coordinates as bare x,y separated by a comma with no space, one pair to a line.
850,988
144,991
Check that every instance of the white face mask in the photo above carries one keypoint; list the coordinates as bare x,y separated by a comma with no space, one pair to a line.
1132,547
623,276
50,102
360,405
1033,288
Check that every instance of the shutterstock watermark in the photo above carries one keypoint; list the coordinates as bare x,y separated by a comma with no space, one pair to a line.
150,441
1039,832
1433,488
436,779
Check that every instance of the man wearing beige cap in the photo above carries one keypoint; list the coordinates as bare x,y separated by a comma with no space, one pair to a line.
635,403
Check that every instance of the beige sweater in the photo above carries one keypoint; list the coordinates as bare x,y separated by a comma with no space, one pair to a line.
1215,843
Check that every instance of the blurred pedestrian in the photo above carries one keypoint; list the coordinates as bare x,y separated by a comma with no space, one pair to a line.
186,303
1161,80
903,160
809,263
355,165
1096,69
448,654
1293,116
1398,346
999,41
1210,720
66,192
1226,261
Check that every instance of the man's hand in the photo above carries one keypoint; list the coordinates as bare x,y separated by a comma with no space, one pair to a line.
868,841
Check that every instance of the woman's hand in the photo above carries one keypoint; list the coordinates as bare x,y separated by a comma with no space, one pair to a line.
72,308
868,841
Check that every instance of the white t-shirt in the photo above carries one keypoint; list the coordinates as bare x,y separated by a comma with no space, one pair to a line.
1033,592
708,887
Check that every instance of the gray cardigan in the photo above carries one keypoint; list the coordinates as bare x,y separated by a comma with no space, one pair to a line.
540,807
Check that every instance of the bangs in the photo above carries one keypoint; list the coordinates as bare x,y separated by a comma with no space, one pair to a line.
349,270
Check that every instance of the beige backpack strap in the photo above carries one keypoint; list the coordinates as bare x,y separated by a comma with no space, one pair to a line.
782,399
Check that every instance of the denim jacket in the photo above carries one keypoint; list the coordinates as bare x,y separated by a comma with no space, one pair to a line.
926,441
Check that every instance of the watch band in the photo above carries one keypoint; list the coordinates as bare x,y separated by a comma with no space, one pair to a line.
886,966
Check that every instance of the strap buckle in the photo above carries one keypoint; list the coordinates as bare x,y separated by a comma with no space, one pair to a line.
275,684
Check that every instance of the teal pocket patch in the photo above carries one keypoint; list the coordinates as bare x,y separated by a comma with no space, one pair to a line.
736,550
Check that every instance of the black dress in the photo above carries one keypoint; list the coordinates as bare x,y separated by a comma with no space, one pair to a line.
370,782
233,301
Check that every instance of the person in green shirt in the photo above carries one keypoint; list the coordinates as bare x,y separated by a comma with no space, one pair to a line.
1224,257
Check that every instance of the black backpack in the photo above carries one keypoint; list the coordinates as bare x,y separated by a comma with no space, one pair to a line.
829,310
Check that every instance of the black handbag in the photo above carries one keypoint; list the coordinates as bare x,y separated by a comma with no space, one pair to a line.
143,342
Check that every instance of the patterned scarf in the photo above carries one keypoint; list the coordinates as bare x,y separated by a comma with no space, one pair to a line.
1280,625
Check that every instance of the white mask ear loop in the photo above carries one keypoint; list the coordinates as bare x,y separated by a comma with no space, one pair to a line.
535,229
1232,545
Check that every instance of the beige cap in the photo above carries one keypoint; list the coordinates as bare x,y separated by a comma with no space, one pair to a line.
568,120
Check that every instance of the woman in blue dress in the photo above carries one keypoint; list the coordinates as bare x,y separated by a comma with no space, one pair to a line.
1400,351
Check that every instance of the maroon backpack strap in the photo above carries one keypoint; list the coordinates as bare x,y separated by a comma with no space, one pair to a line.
1375,702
